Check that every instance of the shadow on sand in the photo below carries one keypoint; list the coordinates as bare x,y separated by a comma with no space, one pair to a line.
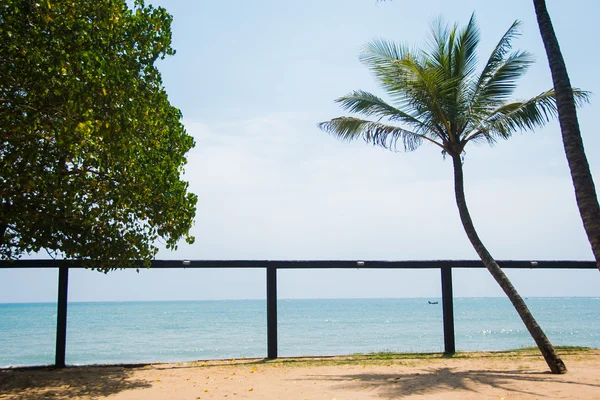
41,383
397,386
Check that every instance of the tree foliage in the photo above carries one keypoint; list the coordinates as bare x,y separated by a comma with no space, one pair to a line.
91,150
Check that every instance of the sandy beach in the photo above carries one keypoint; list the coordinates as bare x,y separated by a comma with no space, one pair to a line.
498,375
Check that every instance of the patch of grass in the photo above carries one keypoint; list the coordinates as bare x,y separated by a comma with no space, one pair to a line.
389,355
560,349
386,358
389,358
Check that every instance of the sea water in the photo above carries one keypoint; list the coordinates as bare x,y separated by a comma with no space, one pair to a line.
135,332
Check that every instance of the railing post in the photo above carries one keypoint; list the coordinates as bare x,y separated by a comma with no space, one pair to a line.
448,311
61,317
272,312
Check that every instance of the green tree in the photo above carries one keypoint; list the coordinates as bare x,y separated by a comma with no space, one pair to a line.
91,151
585,190
440,99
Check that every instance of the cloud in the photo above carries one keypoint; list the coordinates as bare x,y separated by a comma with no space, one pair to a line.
275,187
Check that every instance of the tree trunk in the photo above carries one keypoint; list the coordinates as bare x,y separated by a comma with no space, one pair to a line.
554,362
585,191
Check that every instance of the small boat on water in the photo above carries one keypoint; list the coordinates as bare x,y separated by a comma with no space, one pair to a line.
433,302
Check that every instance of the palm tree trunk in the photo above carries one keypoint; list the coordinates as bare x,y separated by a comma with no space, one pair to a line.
585,191
554,362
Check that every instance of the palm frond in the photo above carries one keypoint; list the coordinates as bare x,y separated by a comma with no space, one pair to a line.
376,133
497,89
495,79
454,51
391,63
581,96
440,36
462,48
466,49
368,104
380,52
522,115
417,89
426,92
499,53
503,81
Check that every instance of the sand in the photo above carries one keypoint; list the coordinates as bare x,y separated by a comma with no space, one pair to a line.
515,375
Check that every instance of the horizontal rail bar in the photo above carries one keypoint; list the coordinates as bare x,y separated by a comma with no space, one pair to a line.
311,264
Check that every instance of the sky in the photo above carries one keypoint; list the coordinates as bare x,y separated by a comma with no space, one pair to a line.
253,79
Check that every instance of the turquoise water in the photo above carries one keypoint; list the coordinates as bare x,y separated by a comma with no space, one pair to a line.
129,332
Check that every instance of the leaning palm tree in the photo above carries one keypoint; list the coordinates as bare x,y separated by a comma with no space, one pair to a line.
440,99
585,190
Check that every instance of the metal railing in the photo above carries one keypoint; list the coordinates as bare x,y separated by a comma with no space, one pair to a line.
271,267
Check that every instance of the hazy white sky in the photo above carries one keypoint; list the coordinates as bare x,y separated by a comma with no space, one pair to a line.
253,78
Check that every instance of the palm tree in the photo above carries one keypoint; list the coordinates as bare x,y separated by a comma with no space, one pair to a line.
585,191
440,99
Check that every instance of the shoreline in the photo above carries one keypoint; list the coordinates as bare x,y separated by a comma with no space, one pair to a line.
369,357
